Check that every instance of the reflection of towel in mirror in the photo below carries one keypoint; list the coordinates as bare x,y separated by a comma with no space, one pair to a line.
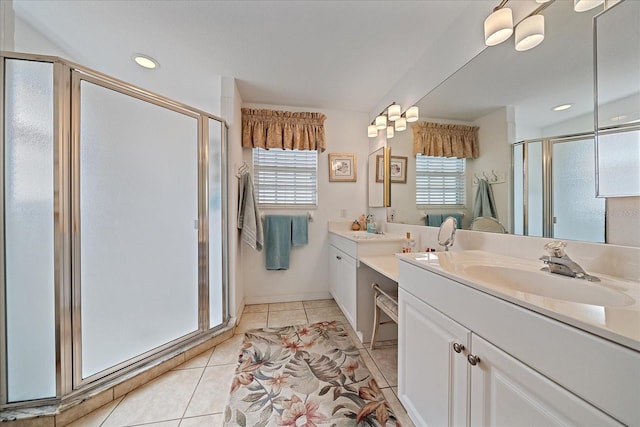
300,230
484,204
277,233
434,220
248,214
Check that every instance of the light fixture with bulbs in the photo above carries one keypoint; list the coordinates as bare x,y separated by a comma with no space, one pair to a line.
393,113
498,27
145,61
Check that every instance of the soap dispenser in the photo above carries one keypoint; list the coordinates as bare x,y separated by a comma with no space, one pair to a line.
371,225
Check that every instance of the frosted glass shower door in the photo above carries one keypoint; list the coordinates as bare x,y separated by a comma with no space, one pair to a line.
28,230
217,227
138,239
577,213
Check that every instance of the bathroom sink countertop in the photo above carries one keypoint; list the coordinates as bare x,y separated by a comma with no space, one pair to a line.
387,265
609,308
366,237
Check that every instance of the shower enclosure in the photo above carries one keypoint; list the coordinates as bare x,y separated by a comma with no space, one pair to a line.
554,189
113,228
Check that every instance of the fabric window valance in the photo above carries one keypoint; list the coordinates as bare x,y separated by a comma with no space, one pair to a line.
282,129
445,140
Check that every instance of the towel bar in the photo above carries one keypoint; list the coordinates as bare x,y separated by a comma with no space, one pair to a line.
309,215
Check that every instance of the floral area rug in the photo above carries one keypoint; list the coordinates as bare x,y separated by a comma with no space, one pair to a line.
304,376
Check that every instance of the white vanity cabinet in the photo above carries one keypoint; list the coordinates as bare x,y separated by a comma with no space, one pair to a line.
350,281
529,370
342,282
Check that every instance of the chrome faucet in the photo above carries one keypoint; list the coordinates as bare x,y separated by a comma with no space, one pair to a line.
558,262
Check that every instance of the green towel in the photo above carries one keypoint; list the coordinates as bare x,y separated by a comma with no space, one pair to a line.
300,230
277,236
434,220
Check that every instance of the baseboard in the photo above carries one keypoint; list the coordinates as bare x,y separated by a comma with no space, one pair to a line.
270,299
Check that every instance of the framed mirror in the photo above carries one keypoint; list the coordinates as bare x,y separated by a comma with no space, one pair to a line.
379,191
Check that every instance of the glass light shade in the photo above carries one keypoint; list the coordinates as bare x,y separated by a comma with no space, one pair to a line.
530,33
401,124
381,122
412,114
390,132
372,131
584,5
394,112
498,26
543,1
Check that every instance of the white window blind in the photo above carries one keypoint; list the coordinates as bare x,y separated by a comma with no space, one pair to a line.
440,180
285,177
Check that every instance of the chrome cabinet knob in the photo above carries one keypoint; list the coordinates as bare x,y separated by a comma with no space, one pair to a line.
458,347
473,360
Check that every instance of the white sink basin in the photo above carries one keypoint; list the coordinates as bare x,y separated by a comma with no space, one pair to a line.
549,285
364,235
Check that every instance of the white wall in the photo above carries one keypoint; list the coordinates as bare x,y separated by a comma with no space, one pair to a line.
495,155
307,277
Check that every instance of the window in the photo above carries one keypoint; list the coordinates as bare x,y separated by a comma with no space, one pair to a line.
286,177
440,180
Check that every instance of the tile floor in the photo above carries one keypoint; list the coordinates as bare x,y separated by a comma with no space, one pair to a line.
194,393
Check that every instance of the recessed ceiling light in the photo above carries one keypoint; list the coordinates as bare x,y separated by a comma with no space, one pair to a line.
145,61
618,118
562,107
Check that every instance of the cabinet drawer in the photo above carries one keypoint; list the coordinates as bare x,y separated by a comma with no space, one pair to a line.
345,245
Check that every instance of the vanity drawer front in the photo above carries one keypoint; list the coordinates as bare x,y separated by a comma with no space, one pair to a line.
603,373
345,245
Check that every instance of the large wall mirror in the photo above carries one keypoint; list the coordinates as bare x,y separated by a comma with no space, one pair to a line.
510,95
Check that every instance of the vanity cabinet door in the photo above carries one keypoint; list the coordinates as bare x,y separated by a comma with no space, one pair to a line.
506,392
334,259
342,282
432,375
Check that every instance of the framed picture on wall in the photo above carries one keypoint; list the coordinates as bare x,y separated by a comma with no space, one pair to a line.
398,169
342,167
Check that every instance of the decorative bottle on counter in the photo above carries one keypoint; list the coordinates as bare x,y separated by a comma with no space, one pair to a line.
410,245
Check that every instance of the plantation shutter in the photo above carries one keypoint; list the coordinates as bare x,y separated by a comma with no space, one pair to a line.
440,181
285,177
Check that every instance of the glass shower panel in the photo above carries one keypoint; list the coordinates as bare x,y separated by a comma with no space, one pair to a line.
28,230
535,200
138,239
216,224
518,189
578,214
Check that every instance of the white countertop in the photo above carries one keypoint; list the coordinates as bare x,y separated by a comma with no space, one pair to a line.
620,324
386,265
365,237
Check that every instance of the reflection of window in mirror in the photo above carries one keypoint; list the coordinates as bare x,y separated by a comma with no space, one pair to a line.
440,181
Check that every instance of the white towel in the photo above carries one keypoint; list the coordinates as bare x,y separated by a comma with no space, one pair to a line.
248,214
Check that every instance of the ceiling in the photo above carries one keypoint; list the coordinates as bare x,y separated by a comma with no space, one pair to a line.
343,55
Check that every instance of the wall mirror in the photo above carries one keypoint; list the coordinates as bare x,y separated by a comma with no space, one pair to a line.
510,95
379,192
617,36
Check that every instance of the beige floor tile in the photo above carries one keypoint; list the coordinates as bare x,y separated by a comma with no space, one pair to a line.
211,395
375,372
324,313
170,423
319,303
227,352
252,321
164,398
284,306
95,418
205,421
256,308
286,318
397,408
387,360
200,361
